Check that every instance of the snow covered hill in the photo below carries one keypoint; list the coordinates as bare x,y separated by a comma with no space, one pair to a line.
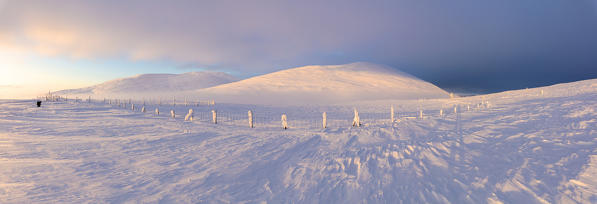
298,86
152,85
324,85
525,146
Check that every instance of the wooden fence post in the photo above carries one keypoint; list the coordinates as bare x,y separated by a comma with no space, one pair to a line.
356,120
214,116
325,120
250,114
284,122
189,115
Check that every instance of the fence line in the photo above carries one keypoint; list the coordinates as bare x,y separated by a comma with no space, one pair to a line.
236,115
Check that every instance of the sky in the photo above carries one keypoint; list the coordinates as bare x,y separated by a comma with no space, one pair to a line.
461,45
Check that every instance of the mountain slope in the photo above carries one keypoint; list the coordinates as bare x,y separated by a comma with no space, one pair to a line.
151,84
325,84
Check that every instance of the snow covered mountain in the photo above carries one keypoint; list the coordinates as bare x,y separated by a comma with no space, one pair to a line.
147,85
325,84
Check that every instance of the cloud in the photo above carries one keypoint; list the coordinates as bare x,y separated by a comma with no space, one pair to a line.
427,38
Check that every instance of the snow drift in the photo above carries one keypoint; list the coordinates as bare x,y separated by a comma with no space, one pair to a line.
325,84
153,85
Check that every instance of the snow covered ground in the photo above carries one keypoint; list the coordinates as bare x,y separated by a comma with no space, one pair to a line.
522,146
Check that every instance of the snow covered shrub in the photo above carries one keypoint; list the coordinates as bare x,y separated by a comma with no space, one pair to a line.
189,115
284,122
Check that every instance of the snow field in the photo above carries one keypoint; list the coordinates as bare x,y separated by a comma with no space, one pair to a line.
526,147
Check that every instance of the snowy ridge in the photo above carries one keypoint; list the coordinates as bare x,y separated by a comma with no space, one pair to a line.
325,85
153,84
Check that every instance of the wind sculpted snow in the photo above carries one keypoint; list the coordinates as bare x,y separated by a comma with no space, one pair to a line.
521,146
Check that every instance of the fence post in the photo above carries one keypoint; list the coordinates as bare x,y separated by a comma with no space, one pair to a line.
455,108
392,114
214,116
441,112
172,114
157,111
325,120
420,114
356,121
189,115
133,107
284,122
143,109
250,114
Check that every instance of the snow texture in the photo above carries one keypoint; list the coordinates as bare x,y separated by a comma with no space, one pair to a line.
529,146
